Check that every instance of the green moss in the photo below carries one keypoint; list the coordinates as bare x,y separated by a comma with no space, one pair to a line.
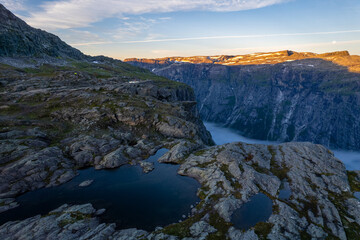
200,152
215,197
262,229
205,164
279,171
311,204
249,157
259,169
237,194
75,217
241,167
275,209
353,181
220,224
10,109
304,235
182,229
225,169
352,229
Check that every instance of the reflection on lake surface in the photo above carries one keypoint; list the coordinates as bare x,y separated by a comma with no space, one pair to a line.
132,198
222,135
258,209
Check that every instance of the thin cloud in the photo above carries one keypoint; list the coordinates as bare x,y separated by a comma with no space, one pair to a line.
82,13
14,5
305,46
232,37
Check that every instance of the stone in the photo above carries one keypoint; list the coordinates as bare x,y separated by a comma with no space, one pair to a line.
86,183
147,166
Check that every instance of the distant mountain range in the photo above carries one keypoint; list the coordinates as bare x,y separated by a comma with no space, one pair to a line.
342,58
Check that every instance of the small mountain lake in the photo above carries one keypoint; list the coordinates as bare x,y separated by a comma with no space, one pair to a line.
357,195
131,198
285,191
258,209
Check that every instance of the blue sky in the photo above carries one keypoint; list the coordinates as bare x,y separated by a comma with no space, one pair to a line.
159,28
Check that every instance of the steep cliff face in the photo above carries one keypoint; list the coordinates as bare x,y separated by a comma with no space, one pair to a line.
302,100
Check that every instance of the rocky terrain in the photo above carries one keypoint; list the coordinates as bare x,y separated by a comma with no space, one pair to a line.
283,96
60,116
321,205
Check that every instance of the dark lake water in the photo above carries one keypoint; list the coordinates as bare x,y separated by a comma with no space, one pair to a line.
258,209
222,135
357,195
131,197
285,191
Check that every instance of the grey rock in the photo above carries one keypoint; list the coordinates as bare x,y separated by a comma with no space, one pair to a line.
147,166
201,229
86,183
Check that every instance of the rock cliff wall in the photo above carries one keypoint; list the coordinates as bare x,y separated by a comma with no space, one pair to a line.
302,100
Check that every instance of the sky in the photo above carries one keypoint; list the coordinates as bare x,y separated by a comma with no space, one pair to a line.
163,28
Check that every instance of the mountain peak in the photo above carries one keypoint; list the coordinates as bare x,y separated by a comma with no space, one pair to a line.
18,39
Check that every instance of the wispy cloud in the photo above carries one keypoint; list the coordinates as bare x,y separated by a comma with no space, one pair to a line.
14,5
81,13
300,47
234,37
137,27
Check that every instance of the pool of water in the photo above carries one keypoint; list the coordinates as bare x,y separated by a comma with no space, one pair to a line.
132,198
258,209
285,191
222,135
357,195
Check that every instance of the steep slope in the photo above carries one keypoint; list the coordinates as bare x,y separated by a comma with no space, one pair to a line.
302,100
17,39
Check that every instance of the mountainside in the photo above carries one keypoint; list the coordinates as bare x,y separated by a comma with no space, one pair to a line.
17,39
295,100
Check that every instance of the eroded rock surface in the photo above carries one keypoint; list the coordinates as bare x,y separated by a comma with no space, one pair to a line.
321,204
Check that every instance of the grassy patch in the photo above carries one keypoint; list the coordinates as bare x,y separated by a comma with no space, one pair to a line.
200,152
262,229
182,229
75,217
352,229
353,181
279,171
260,169
304,235
220,224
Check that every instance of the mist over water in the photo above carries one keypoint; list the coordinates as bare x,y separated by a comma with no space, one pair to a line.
222,135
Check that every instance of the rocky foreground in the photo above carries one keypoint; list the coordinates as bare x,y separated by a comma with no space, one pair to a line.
57,119
321,205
